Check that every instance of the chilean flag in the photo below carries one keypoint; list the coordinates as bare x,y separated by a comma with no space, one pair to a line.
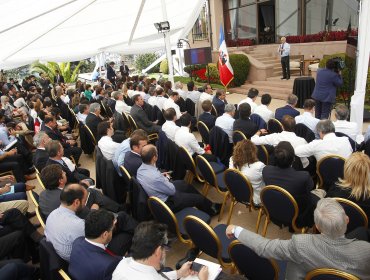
224,67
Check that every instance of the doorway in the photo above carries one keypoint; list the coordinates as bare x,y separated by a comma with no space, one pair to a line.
266,22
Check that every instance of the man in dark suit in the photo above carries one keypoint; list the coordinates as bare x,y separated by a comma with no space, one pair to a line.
125,71
89,257
288,109
70,146
41,156
58,78
93,118
219,101
111,74
56,153
244,123
298,183
141,118
133,158
206,116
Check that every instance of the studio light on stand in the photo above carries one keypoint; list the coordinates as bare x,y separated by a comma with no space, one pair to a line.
164,28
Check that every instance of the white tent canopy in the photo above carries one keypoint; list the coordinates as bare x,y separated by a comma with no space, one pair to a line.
69,30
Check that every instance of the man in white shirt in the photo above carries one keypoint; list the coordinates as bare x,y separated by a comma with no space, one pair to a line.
170,103
344,126
170,127
84,110
226,121
308,116
288,135
207,93
148,255
193,94
328,144
121,106
262,110
251,98
179,88
284,51
106,144
160,98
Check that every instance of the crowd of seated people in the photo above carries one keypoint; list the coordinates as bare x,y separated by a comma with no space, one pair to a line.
37,125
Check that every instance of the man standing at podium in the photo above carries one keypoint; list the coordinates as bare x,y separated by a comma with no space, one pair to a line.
284,51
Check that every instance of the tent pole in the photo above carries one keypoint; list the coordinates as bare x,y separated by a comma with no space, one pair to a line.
136,21
362,53
167,42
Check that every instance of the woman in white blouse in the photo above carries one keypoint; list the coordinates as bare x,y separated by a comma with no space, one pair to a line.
106,143
245,160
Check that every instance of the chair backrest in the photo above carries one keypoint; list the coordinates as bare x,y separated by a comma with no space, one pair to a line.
40,216
280,205
214,111
206,171
163,214
274,126
203,236
204,131
351,141
357,216
50,262
220,145
34,198
187,159
258,121
127,123
262,154
250,264
238,136
366,147
329,274
303,131
132,122
182,104
91,135
239,186
38,177
190,106
329,169
87,144
126,178
139,200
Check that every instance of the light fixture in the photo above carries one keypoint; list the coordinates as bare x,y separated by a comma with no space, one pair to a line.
180,45
162,27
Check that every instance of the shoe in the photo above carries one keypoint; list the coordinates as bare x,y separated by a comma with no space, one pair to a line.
190,256
283,78
30,214
29,187
216,208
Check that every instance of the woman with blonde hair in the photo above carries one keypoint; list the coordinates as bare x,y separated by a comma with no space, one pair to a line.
355,184
245,160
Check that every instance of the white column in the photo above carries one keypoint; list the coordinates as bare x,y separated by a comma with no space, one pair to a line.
363,52
167,42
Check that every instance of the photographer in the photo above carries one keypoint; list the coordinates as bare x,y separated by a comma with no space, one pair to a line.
327,81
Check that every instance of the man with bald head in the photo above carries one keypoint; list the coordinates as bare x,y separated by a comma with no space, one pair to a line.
177,194
284,51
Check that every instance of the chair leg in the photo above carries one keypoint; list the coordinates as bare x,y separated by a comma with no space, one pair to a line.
267,221
232,204
205,189
260,213
223,206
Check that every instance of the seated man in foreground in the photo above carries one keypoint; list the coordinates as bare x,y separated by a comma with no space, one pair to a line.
177,195
306,252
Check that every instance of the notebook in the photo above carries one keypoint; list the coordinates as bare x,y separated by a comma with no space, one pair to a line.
214,270
9,192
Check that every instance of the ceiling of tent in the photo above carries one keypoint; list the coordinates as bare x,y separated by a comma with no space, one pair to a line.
69,30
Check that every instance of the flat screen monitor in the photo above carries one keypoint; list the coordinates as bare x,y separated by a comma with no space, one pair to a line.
198,56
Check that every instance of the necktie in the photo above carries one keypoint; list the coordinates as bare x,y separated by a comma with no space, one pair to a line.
282,47
109,252
164,275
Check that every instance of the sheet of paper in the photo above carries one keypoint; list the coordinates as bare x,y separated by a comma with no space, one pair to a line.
214,270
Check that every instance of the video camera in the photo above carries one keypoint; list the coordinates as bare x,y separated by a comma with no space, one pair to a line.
339,64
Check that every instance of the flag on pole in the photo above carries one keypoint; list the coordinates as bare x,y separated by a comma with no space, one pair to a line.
224,67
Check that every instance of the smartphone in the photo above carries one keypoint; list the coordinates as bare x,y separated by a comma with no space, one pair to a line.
196,266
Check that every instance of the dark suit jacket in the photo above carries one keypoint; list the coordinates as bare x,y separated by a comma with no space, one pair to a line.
248,127
92,122
49,201
91,262
326,85
40,159
142,120
132,162
286,110
219,105
111,75
298,183
55,134
208,119
72,177
58,79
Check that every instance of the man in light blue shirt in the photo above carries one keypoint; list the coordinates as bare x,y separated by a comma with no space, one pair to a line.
63,226
4,136
119,155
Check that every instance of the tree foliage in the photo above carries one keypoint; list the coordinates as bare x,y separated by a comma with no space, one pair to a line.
142,61
69,73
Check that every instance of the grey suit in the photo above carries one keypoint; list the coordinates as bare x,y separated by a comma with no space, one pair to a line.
305,252
142,120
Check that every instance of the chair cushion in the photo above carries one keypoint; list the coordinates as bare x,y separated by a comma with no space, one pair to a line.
220,181
220,231
217,167
190,211
294,64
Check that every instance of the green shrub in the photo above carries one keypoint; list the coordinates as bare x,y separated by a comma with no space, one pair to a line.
348,73
163,68
194,67
241,65
214,76
144,60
